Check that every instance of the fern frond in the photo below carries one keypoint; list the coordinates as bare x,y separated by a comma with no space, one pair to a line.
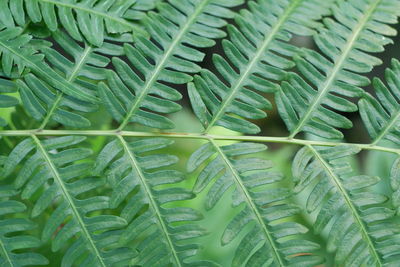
6,101
62,60
13,240
54,160
88,19
381,115
359,227
313,104
44,103
16,49
136,183
178,31
268,241
256,58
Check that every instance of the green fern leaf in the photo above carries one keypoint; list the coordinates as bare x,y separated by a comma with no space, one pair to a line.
257,54
313,104
268,241
129,166
45,103
179,30
16,49
353,216
90,19
15,245
93,234
65,64
381,115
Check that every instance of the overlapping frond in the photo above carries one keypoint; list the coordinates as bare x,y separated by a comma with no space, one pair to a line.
138,186
44,102
89,19
7,101
15,245
16,50
274,239
256,54
51,168
381,115
178,31
313,103
359,226
63,59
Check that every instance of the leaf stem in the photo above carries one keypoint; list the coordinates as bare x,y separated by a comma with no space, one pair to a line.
248,138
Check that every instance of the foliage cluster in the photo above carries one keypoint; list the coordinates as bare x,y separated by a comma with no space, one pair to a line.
132,133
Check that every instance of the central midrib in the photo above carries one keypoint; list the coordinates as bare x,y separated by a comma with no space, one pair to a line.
248,71
161,64
337,67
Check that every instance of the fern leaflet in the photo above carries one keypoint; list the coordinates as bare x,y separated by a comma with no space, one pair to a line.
177,31
45,103
12,238
360,28
257,50
249,176
381,115
128,169
92,233
352,216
